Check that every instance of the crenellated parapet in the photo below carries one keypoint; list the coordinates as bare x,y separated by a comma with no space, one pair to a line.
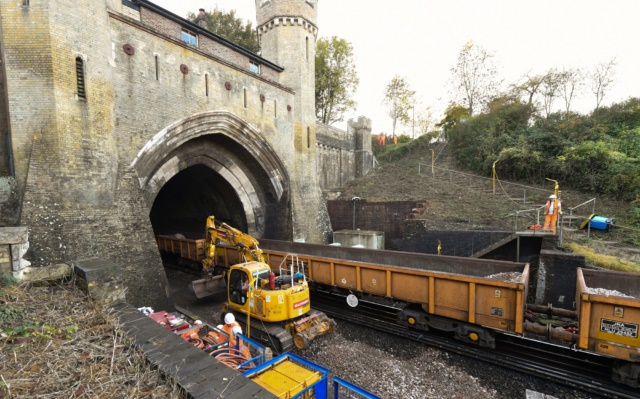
287,21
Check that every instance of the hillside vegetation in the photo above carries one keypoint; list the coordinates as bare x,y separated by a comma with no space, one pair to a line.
594,160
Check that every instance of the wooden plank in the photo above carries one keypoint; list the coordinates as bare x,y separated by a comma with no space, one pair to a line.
127,313
179,357
217,381
249,390
191,381
194,365
153,340
168,353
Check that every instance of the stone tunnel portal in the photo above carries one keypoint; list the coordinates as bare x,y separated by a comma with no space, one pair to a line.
188,198
214,164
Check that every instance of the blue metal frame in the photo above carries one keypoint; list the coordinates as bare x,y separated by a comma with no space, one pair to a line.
338,382
260,359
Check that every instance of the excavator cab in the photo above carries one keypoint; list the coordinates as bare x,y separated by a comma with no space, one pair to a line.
238,286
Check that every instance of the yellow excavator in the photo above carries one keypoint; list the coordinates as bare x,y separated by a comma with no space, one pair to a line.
280,304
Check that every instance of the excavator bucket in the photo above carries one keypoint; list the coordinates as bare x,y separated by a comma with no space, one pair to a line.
312,326
206,287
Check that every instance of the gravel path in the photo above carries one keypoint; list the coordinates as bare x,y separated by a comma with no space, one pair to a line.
393,367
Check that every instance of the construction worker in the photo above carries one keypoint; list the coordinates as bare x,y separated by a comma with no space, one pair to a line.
231,327
551,211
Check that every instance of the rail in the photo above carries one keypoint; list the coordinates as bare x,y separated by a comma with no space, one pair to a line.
552,362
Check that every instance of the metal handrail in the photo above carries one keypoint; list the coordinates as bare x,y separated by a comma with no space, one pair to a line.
516,213
593,210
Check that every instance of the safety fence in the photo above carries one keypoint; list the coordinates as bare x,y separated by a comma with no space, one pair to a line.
518,193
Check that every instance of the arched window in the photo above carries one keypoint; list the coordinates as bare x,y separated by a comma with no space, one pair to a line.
82,91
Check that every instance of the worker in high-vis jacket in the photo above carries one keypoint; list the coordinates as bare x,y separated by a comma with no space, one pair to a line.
551,211
231,327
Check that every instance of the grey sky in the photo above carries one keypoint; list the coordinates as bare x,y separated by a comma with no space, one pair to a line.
421,39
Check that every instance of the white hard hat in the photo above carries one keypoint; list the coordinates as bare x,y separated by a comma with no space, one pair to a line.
229,318
236,330
219,327
197,322
552,196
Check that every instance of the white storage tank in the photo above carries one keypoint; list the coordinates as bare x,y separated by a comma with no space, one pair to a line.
359,238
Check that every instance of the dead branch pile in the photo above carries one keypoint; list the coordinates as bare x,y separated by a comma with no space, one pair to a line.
55,343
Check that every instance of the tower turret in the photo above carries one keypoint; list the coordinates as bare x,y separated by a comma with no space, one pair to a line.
287,31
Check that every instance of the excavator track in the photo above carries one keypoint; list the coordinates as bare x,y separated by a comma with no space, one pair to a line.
273,335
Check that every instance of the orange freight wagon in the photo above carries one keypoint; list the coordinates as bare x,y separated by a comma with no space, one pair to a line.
608,311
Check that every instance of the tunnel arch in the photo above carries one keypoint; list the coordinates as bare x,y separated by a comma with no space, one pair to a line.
214,163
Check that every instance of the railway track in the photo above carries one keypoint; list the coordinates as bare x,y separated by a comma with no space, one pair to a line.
577,369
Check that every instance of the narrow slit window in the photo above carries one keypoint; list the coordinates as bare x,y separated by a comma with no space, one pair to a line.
157,67
206,85
307,47
82,92
25,2
244,95
308,137
275,108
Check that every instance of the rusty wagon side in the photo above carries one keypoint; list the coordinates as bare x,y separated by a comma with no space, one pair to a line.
466,289
609,310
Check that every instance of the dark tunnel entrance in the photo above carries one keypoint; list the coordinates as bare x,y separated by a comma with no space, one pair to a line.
188,198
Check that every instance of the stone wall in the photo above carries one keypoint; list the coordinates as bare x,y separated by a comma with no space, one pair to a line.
102,105
4,120
335,156
388,217
9,202
14,243
556,279
419,238
343,155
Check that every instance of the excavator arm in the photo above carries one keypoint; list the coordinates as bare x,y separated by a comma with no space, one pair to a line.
216,233
223,233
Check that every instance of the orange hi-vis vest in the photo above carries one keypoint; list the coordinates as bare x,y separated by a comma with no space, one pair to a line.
228,328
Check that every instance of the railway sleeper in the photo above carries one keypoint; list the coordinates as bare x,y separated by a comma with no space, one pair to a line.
414,317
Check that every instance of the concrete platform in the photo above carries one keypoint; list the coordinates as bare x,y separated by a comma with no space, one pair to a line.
200,375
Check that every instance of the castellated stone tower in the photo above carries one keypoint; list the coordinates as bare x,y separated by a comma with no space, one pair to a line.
287,32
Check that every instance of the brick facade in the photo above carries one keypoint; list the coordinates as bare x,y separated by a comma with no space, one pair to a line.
91,166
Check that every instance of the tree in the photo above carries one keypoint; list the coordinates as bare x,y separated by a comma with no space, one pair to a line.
336,79
399,97
452,116
601,78
549,91
474,76
422,121
227,25
530,85
570,83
